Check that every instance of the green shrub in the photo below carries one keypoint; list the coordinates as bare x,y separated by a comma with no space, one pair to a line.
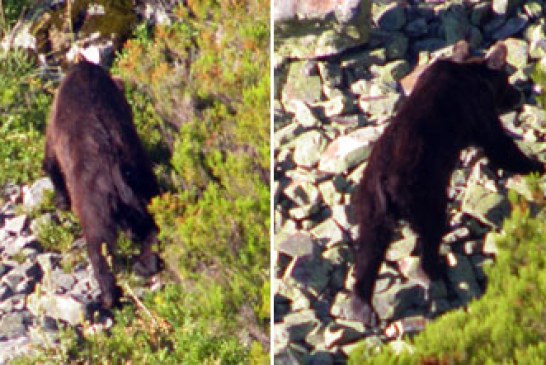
24,104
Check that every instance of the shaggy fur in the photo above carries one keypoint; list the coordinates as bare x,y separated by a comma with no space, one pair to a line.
454,105
98,168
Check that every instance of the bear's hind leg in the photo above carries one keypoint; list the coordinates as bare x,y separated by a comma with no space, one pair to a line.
95,238
370,253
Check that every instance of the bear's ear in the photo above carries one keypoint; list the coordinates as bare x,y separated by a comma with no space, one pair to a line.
496,57
461,50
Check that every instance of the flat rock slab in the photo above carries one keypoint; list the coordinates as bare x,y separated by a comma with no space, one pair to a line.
348,151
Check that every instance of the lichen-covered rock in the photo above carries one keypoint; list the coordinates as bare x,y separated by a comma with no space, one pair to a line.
308,29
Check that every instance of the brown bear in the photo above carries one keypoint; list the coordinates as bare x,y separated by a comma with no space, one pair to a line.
453,105
99,168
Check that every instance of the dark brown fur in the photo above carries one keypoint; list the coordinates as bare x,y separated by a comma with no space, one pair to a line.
454,105
99,168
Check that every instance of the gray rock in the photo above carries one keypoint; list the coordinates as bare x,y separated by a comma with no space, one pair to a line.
392,72
511,27
14,303
348,151
309,274
49,261
300,86
17,246
401,248
13,325
309,147
34,196
329,193
5,268
300,324
5,292
479,13
307,29
13,348
286,135
304,114
398,299
58,306
297,244
302,193
455,25
328,233
391,17
16,225
338,335
336,106
417,27
20,274
487,206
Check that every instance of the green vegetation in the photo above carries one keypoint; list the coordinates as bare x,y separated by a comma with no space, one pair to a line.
508,324
24,102
199,90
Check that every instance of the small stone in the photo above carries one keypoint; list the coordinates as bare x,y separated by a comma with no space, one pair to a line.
330,73
329,193
309,147
297,244
342,306
13,303
302,212
35,194
16,225
328,233
304,115
286,135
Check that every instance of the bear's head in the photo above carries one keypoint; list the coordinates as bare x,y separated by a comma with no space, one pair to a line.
489,72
